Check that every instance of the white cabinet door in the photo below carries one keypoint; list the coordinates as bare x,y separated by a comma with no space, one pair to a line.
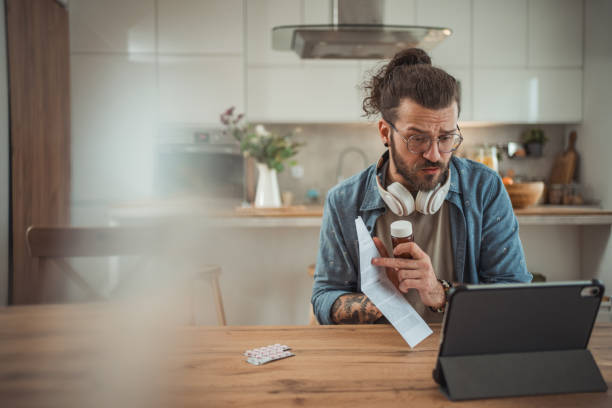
528,95
197,90
464,76
400,12
317,12
294,94
112,26
200,26
456,15
112,126
262,16
500,33
555,33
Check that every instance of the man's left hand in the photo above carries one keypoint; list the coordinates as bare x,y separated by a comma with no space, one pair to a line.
416,273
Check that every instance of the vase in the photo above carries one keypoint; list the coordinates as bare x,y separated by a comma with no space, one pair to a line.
267,194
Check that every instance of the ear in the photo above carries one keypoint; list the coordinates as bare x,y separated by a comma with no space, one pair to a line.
384,131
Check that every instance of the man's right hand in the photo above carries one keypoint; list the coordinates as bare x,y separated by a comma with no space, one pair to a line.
391,273
354,308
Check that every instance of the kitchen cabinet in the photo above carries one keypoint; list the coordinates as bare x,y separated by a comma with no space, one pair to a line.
200,60
464,76
527,61
317,11
197,89
455,14
528,95
321,93
112,26
200,26
500,33
262,16
555,33
517,62
283,88
113,119
400,12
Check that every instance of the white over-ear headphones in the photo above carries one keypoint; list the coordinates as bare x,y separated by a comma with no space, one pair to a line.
400,200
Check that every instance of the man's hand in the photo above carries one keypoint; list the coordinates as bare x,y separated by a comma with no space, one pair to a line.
354,308
414,273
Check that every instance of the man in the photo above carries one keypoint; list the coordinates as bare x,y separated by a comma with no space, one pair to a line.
464,227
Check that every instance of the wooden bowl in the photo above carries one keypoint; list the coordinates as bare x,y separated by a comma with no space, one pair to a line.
523,195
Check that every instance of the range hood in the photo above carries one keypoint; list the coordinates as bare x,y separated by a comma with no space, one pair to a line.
356,32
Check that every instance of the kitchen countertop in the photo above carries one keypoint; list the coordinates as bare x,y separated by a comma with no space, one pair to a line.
310,216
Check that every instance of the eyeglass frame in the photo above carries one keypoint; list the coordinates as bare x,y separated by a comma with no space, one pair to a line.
430,140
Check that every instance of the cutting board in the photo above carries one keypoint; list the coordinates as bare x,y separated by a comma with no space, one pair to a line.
564,167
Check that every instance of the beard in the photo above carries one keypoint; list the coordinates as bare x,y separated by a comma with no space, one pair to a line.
416,180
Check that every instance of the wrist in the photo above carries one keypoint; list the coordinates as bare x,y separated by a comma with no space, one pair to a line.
441,307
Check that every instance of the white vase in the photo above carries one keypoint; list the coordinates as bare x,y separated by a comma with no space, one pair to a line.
268,194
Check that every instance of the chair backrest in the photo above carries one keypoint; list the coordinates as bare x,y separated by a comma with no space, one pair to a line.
50,244
66,242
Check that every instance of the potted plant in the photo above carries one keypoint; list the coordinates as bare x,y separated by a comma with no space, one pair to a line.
533,140
269,150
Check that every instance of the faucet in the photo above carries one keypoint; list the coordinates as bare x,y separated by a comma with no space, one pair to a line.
343,154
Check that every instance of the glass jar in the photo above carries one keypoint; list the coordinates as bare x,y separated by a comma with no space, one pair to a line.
486,155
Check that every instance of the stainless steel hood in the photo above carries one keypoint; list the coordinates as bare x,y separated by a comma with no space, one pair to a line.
356,32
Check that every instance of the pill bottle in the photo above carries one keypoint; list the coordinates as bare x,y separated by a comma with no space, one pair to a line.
401,231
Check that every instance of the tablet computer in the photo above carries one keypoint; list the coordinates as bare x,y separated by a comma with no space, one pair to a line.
519,339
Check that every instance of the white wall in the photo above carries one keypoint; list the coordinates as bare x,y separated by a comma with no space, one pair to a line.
4,165
596,148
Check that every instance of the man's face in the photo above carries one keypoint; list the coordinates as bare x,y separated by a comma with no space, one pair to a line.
425,170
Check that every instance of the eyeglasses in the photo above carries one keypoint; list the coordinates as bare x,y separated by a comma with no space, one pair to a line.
419,144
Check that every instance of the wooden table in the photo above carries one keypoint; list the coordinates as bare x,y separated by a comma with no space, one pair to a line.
80,356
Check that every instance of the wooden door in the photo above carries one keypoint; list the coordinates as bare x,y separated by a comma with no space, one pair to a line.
39,83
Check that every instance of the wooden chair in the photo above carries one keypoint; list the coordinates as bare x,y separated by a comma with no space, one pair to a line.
51,245
313,319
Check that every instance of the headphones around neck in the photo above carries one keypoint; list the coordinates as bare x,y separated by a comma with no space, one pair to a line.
400,200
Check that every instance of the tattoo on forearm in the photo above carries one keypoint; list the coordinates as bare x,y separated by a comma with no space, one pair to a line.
354,308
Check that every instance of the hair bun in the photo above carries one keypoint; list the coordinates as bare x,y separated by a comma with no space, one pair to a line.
410,56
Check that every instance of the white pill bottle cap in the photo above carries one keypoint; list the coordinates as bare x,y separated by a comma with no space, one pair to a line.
401,229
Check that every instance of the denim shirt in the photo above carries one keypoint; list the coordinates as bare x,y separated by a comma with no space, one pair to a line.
484,232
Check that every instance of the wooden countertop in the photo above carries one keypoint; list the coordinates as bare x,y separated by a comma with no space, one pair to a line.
291,211
317,211
76,355
310,216
567,210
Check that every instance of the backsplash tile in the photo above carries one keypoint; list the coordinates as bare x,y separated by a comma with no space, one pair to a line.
326,142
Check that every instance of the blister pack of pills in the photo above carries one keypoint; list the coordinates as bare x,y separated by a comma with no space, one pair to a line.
269,353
